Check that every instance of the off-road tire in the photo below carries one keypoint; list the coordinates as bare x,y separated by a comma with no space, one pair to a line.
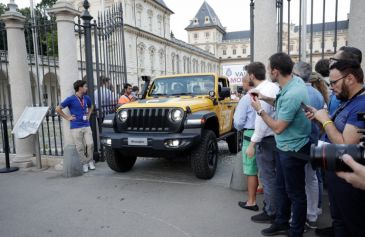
204,157
117,161
235,142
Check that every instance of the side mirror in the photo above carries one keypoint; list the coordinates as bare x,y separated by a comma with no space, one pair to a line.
211,94
224,93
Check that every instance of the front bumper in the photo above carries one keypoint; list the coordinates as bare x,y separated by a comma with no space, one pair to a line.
149,144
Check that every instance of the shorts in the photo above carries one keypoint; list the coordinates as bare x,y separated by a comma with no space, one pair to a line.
249,163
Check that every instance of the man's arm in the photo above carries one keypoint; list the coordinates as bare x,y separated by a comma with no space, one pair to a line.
278,126
63,115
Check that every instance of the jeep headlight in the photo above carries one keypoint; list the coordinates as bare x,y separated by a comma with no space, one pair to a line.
123,116
176,115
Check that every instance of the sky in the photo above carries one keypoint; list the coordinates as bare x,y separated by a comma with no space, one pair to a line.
235,14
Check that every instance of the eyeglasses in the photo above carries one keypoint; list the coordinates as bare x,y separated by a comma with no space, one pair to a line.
332,83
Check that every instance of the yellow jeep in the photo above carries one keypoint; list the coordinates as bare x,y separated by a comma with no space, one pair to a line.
178,115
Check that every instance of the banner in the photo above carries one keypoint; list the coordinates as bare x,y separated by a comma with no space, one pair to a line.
235,74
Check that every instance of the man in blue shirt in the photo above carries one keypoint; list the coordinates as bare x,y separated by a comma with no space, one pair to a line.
312,188
80,107
244,119
347,203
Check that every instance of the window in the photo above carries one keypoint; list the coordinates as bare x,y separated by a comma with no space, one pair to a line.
224,52
244,51
195,21
195,36
207,19
206,34
150,23
291,47
234,51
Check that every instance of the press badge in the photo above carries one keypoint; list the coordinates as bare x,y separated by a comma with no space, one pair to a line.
84,117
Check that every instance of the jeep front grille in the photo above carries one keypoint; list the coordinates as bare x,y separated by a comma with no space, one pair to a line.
150,120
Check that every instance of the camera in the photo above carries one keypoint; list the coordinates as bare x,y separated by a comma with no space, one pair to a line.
329,156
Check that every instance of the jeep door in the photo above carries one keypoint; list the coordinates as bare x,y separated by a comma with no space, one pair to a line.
226,109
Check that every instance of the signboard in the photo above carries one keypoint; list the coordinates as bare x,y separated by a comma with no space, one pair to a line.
235,74
29,121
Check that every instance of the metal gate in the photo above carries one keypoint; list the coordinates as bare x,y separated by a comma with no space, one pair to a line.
102,62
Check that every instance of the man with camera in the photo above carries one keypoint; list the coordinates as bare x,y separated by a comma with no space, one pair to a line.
347,203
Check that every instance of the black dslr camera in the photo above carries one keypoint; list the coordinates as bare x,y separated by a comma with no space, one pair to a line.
329,156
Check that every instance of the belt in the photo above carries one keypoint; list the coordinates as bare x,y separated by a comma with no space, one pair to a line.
246,138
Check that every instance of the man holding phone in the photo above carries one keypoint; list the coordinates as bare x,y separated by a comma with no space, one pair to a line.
316,100
263,140
292,130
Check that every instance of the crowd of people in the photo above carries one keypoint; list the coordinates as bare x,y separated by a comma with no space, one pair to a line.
281,119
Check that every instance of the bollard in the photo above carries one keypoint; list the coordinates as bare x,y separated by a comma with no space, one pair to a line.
7,169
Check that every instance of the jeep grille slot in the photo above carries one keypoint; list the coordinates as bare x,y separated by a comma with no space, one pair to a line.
150,120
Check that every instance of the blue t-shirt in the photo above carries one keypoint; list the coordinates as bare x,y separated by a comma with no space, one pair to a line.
349,114
333,104
316,100
78,107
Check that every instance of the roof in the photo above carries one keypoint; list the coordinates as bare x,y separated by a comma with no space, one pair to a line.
236,35
192,47
163,4
328,26
205,10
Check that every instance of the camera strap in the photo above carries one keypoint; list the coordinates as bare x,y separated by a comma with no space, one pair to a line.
343,105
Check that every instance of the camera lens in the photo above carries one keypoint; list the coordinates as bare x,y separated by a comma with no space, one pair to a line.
329,156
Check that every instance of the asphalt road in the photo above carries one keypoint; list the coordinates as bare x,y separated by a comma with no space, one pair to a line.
157,198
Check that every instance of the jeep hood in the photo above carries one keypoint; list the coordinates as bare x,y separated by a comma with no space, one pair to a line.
195,103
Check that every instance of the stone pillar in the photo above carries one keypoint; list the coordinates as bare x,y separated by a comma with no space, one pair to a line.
18,78
265,34
68,73
67,55
356,36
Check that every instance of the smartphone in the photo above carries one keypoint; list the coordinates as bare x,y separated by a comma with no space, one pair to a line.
305,107
254,94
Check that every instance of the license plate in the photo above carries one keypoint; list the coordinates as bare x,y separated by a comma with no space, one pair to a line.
137,141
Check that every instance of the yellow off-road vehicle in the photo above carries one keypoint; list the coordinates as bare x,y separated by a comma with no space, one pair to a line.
180,115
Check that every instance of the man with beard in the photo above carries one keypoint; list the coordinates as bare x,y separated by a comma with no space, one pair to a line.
292,131
347,203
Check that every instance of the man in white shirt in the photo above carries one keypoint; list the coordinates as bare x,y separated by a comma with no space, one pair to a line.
264,141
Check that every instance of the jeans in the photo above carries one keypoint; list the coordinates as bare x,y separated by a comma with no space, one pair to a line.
347,205
266,156
290,193
312,192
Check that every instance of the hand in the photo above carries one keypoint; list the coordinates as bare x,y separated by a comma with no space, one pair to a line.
133,99
357,178
250,151
71,118
321,115
311,113
255,103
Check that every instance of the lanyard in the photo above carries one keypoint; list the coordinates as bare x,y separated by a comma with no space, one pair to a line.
81,101
343,105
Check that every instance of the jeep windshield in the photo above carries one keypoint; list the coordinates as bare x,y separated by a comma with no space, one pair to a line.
179,86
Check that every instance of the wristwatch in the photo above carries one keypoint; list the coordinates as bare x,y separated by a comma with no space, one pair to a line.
259,112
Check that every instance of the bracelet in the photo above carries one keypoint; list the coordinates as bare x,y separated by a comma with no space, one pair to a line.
326,123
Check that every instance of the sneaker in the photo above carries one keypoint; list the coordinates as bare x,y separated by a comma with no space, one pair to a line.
311,224
276,229
327,231
244,206
85,168
91,165
263,218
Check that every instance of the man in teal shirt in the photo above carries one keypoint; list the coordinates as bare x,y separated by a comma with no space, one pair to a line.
292,130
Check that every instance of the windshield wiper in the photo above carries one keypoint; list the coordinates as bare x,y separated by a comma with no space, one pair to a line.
181,94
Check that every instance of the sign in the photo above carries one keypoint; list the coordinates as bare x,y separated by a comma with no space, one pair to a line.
29,122
235,74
